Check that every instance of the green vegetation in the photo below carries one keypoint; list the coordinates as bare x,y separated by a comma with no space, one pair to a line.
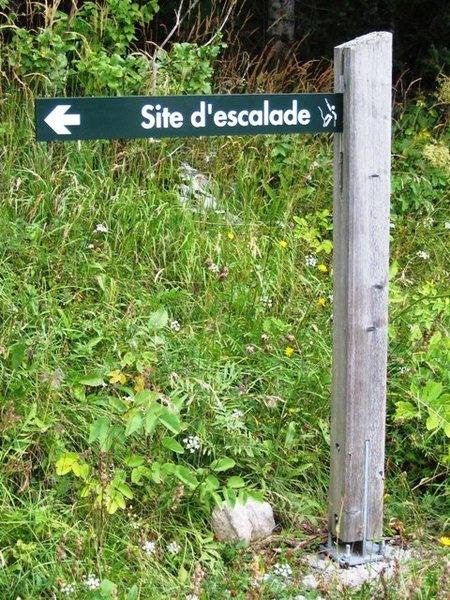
166,314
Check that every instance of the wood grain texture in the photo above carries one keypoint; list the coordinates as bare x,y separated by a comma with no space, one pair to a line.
361,261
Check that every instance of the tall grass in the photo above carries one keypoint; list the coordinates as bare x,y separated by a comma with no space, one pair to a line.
95,239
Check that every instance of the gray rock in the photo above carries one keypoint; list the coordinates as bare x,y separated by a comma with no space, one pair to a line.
248,522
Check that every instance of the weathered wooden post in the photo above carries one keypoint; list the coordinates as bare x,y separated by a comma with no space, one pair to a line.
361,254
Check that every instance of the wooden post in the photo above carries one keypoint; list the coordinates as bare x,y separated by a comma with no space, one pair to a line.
362,156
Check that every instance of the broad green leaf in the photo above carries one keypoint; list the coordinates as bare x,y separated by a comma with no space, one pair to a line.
185,476
80,470
291,435
156,472
434,421
65,463
94,379
158,319
447,428
84,471
243,496
222,464
116,501
173,445
212,482
432,391
405,410
125,490
134,460
182,575
235,482
99,430
230,496
108,589
132,593
118,405
138,472
134,422
167,468
17,354
146,396
151,420
170,420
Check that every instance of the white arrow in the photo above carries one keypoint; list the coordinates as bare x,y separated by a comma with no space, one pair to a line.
58,119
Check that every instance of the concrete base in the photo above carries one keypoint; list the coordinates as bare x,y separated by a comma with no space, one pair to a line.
329,572
351,555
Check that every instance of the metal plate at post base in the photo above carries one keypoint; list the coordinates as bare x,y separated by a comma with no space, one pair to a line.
358,553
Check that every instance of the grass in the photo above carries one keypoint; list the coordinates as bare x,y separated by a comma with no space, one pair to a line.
116,281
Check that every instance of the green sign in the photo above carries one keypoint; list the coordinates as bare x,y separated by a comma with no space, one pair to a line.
180,116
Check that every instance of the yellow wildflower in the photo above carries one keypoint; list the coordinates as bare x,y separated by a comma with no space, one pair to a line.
323,268
230,235
321,301
283,244
445,540
292,410
139,384
289,351
117,376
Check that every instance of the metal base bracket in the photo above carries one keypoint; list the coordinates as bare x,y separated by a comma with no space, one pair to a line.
358,553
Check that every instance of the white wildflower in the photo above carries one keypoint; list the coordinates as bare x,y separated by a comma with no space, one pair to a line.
67,589
192,443
214,268
311,261
149,547
267,301
173,548
283,571
175,325
91,582
447,225
422,254
101,228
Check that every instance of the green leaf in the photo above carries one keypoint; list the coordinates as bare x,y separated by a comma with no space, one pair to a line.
118,405
93,379
222,464
170,420
134,460
212,482
134,422
173,445
138,473
146,396
158,319
291,435
65,463
132,593
434,421
125,490
405,411
432,391
99,430
185,476
230,496
235,482
108,589
17,354
447,428
156,472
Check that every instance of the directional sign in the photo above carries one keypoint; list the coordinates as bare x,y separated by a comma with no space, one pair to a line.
180,116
